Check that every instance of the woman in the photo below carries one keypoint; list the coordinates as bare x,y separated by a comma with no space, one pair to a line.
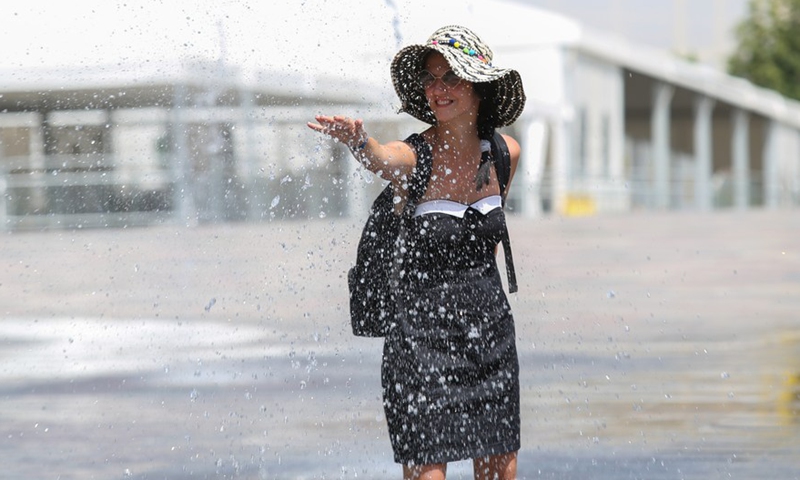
450,370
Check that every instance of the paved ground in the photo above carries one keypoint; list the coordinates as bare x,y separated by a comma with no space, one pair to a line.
653,346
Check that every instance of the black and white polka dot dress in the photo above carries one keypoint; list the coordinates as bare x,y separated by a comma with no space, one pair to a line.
450,372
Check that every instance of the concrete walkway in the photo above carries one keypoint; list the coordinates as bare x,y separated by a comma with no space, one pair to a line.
653,346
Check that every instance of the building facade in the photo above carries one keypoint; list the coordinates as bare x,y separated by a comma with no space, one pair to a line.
608,127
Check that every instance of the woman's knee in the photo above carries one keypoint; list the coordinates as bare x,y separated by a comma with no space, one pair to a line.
496,467
436,471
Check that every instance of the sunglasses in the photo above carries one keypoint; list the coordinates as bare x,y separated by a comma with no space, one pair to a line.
426,79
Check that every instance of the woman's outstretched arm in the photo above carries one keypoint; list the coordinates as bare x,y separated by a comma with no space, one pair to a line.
391,161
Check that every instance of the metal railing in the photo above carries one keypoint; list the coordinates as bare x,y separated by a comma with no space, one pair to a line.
76,191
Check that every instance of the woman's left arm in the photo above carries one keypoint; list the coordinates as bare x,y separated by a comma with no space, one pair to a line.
514,151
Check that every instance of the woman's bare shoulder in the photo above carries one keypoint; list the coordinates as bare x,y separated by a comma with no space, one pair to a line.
513,147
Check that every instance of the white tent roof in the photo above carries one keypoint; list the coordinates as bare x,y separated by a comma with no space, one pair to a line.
318,48
304,44
310,35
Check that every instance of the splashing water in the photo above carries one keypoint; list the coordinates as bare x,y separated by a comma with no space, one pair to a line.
398,35
275,202
210,304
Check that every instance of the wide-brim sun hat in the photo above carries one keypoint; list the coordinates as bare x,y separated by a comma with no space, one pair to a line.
469,58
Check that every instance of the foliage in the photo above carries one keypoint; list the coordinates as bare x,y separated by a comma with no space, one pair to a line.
768,52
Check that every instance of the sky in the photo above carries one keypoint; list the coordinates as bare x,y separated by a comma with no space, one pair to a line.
312,34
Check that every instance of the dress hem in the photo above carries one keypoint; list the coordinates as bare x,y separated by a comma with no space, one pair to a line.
441,457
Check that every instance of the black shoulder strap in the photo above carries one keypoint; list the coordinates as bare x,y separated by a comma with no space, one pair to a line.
421,174
502,165
417,184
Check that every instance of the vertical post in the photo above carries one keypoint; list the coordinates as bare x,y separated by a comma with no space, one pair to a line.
703,108
534,137
561,164
4,225
660,135
183,196
38,162
616,132
254,198
740,148
795,156
770,177
353,203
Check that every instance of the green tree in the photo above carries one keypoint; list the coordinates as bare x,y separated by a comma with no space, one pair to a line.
768,52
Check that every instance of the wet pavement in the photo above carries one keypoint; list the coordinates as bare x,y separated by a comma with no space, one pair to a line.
652,346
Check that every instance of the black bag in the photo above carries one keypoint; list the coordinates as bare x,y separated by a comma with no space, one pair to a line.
371,293
372,280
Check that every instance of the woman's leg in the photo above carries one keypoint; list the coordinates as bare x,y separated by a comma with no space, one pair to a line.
496,467
436,471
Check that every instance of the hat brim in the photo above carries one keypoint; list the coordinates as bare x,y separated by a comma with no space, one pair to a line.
510,99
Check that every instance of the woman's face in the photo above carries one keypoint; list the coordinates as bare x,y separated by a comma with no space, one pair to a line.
449,102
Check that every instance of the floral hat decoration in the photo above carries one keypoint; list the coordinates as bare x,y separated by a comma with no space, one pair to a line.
470,59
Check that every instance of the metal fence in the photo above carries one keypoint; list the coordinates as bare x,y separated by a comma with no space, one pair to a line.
209,165
204,167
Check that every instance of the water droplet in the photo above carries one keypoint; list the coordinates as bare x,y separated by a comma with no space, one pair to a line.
210,304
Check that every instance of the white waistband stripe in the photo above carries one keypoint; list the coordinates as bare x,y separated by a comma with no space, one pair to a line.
455,209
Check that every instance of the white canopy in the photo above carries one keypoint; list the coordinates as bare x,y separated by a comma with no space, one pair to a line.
101,42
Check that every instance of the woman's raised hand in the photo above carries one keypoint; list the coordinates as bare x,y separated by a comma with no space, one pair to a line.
392,160
344,129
